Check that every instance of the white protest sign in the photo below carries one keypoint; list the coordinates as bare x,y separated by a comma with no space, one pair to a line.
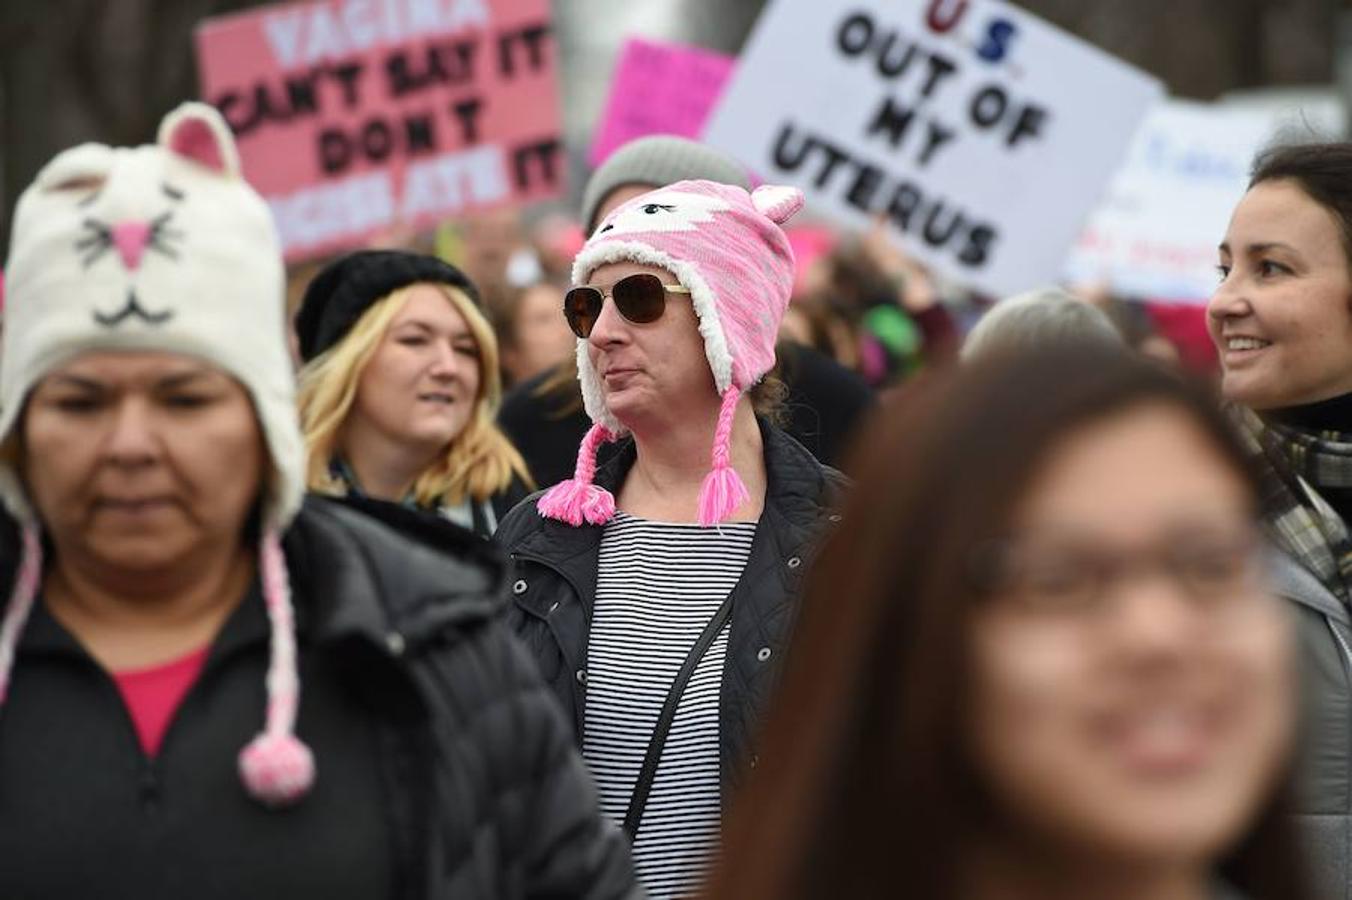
983,134
1154,234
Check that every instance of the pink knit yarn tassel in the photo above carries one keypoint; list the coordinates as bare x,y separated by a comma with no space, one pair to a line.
578,499
723,490
276,767
20,604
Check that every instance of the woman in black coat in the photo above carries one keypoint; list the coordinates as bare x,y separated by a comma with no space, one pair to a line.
168,592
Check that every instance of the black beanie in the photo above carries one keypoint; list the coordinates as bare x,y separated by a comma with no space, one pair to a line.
347,287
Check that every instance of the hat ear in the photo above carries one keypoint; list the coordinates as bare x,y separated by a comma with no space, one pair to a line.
83,167
777,202
196,132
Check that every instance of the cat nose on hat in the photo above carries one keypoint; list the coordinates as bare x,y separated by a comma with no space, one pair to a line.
131,238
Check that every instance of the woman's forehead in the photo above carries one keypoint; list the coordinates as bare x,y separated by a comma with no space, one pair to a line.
133,367
430,305
1280,212
1133,472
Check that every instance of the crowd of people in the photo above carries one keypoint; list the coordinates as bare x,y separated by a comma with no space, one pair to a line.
698,549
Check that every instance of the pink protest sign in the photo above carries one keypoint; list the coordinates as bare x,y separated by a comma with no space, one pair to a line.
659,89
354,118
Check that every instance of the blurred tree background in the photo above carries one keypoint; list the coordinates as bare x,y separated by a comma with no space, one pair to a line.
108,70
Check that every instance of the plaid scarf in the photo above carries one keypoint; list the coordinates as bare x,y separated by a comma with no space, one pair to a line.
340,471
1298,464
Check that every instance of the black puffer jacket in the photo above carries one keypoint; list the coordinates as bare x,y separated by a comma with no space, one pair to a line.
442,759
555,586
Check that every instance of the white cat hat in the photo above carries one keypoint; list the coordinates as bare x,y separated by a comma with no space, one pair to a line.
162,247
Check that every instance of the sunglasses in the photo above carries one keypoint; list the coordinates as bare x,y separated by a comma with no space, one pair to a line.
640,298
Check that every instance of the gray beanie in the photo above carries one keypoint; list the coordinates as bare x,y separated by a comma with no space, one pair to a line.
1038,319
658,160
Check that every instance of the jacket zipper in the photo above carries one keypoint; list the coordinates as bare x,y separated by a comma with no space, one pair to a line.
1342,645
148,767
147,771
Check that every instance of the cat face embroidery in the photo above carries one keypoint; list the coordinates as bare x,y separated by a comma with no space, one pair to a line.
129,211
132,237
664,211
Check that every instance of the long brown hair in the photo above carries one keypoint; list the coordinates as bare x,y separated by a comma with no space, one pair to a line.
864,786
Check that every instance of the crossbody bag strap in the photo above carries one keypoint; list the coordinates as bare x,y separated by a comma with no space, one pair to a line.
639,798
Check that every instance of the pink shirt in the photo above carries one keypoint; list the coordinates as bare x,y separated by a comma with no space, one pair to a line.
153,695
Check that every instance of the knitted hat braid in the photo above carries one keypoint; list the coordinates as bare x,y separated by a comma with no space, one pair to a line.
579,499
20,604
276,766
723,489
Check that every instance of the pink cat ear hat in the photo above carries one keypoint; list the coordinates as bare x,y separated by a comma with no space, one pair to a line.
727,247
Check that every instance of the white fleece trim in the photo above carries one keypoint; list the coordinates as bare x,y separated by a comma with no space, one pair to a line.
701,297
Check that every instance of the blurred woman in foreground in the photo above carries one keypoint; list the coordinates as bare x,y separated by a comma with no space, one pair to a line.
1040,659
169,593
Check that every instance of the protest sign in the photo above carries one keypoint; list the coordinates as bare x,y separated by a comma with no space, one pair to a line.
1155,232
659,89
355,117
982,134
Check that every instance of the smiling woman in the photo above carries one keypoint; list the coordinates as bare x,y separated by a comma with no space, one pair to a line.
1282,322
1282,316
401,388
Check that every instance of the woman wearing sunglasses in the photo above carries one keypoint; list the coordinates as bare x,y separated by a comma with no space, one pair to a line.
400,389
657,592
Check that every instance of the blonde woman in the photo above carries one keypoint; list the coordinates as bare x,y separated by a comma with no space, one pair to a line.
400,389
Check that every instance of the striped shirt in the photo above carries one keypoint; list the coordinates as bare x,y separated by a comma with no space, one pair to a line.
658,584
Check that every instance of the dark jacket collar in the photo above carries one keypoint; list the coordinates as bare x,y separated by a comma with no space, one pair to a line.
353,574
374,572
797,490
794,480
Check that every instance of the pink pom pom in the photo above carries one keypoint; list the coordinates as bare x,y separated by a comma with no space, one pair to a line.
277,769
598,507
721,494
574,502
